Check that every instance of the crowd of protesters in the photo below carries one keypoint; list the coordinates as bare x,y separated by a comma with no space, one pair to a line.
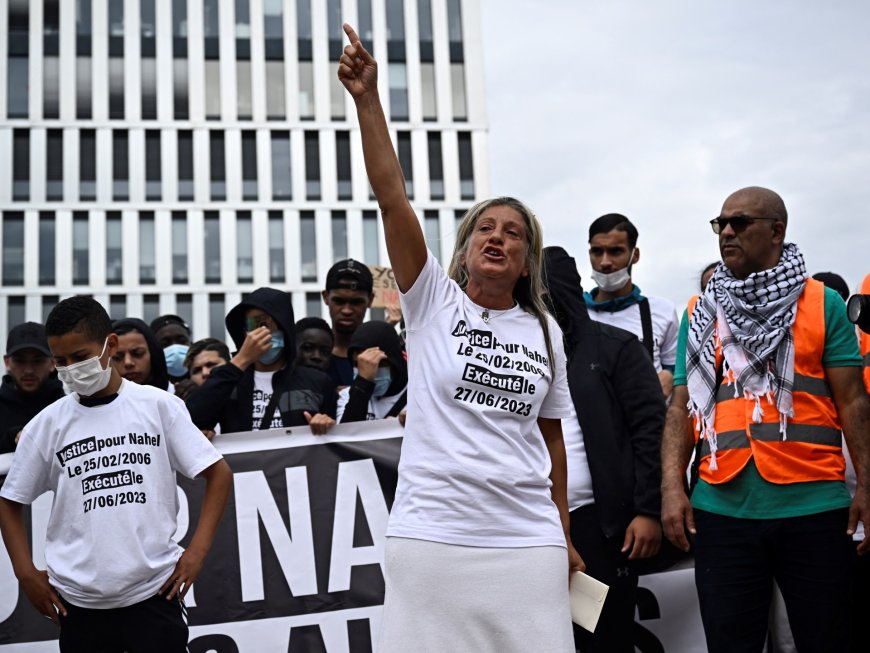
633,436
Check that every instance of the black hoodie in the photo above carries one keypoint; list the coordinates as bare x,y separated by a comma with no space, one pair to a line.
17,407
618,399
159,375
227,397
382,335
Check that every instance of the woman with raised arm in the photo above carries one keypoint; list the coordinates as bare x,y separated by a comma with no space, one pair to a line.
477,549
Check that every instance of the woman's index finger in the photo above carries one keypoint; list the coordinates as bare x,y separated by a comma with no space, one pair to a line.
351,34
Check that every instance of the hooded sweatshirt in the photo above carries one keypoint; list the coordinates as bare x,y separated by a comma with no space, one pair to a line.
618,400
355,402
159,375
227,397
17,407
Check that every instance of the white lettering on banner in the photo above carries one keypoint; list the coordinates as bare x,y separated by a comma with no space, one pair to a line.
356,477
255,501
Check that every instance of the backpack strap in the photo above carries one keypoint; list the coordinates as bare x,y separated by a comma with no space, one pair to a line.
646,326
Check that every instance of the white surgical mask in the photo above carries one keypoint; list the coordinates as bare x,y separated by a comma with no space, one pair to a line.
612,281
86,377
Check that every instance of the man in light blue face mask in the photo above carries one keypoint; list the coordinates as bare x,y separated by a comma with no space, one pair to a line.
380,375
261,388
618,301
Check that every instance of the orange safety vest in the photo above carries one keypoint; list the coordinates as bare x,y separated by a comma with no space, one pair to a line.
812,450
864,339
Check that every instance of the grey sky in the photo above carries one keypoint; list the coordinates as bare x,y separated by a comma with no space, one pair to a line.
659,110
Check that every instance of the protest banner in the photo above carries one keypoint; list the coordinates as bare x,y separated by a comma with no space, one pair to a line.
297,564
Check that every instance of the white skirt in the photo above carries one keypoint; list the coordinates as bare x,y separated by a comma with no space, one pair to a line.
443,598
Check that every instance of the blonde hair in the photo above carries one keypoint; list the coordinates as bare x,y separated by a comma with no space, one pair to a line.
528,291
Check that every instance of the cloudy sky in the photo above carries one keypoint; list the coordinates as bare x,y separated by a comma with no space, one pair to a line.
659,110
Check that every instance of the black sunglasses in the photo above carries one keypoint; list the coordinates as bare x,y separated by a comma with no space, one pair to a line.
738,223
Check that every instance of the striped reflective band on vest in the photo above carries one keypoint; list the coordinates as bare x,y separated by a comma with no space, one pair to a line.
769,431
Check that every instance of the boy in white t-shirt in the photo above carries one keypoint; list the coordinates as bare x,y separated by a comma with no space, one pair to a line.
114,578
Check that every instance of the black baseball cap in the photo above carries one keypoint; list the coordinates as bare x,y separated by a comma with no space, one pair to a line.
164,320
349,275
30,335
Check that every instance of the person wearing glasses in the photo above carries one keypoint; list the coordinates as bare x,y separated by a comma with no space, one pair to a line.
768,370
478,549
261,387
617,301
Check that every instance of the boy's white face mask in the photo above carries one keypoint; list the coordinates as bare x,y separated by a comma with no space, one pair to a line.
86,377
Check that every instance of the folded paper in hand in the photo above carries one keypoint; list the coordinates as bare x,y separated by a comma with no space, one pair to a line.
587,599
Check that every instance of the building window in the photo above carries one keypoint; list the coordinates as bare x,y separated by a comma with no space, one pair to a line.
466,167
337,94
282,182
15,314
273,23
179,247
371,246
114,252
153,190
211,35
212,247
117,307
218,167
404,151
20,164
150,308
427,60
147,249
80,249
432,232
83,59
436,167
396,68
343,165
364,23
17,74
216,328
244,109
306,67
54,165
185,165
87,165
339,235
313,304
47,255
244,247
48,303
457,59
277,265
184,307
312,165
249,165
50,61
120,165
116,59
180,101
308,246
13,249
398,90
148,52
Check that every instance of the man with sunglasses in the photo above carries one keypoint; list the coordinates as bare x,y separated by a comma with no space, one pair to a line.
768,369
29,384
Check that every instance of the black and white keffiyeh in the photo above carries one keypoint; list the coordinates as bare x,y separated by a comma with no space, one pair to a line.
754,317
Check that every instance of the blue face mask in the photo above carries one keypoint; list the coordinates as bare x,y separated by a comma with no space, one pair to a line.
276,350
175,359
383,380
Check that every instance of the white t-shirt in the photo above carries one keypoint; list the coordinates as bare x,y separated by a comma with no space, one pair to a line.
112,469
378,406
262,396
579,476
665,327
474,468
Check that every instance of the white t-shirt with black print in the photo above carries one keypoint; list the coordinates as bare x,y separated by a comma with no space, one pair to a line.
262,396
474,468
112,469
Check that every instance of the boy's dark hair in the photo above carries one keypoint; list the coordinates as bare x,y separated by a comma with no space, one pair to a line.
82,314
206,344
611,221
313,323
